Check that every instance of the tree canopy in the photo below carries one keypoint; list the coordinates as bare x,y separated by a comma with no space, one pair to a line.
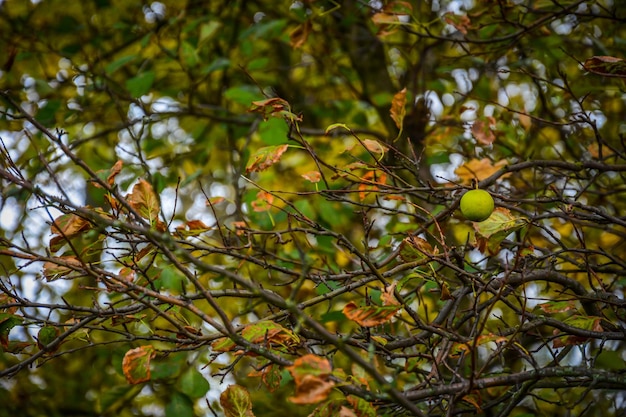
251,208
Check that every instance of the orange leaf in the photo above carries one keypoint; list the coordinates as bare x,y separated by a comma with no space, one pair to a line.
388,297
312,176
312,390
263,202
479,169
265,157
369,316
144,200
192,228
136,364
398,108
116,169
460,22
309,365
235,401
69,225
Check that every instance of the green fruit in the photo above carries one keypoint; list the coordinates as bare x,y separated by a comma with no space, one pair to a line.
477,205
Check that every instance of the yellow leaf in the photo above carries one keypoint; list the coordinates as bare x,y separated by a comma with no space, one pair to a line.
479,169
398,108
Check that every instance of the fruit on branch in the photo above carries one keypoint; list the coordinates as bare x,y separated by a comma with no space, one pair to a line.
477,205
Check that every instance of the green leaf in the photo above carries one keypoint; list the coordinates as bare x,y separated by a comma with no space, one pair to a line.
119,63
179,406
189,54
111,400
140,85
172,279
194,384
208,31
47,114
236,402
243,94
274,131
7,322
216,65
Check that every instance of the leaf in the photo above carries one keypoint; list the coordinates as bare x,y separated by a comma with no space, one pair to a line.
69,225
271,376
61,267
265,332
7,322
193,384
361,407
483,130
263,202
578,321
179,406
265,157
46,335
144,200
460,22
388,297
274,107
479,169
300,34
398,108
375,146
336,126
312,390
414,248
140,85
310,373
309,365
607,66
312,176
369,316
466,347
474,399
491,232
136,364
191,228
555,307
235,401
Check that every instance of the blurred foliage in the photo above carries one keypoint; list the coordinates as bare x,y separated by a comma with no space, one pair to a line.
251,208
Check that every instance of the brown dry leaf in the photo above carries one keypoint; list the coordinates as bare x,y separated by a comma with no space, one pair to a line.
61,267
136,364
479,169
300,34
483,130
607,66
398,108
144,200
116,169
312,390
69,225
